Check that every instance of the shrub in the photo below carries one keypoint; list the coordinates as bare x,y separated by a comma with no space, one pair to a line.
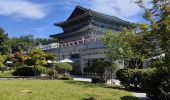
51,72
97,80
62,67
132,77
24,71
40,70
66,77
30,71
157,85
6,74
101,68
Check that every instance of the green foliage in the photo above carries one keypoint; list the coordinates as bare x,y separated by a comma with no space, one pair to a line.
3,39
23,43
38,57
158,63
24,71
66,77
33,71
44,41
28,71
97,80
6,74
40,70
18,58
51,72
2,60
133,77
103,69
98,66
30,61
115,45
60,67
158,15
157,84
129,44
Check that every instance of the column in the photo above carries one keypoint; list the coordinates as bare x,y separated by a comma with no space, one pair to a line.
83,64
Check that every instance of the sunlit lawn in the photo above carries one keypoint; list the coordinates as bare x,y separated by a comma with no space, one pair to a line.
58,90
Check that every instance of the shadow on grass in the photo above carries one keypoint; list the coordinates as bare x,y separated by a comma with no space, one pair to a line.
93,85
129,98
122,98
137,90
85,84
116,87
89,98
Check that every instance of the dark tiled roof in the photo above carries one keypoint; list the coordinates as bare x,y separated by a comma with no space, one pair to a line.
94,13
88,12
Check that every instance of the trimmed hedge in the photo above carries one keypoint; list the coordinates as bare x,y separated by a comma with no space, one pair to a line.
66,77
132,78
97,80
30,71
24,71
157,85
155,82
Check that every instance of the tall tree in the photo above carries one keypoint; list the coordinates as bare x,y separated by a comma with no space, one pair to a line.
130,45
23,43
3,39
159,17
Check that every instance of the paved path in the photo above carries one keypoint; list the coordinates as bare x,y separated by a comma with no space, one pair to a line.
141,96
115,81
79,78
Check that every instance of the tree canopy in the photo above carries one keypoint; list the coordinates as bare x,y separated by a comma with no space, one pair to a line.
158,16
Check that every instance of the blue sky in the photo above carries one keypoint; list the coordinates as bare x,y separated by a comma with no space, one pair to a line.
36,17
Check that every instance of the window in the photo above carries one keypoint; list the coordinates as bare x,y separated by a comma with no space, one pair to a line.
75,56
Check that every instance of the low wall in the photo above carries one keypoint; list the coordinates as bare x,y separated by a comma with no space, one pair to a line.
28,78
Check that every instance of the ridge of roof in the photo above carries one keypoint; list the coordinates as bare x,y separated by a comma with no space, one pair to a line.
95,12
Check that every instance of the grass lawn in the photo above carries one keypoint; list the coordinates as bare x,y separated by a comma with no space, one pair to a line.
59,90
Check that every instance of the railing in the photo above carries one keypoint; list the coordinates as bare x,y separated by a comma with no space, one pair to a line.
91,74
71,43
83,40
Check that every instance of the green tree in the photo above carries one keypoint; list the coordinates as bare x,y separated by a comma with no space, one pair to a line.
3,39
104,69
63,67
42,41
133,45
18,58
24,43
118,44
38,57
158,15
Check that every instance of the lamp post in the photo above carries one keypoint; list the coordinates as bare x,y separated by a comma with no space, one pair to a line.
49,63
9,64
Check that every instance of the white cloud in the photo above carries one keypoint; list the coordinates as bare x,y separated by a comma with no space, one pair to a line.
21,9
124,9
120,8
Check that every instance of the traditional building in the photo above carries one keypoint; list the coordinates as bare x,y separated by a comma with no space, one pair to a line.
80,40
